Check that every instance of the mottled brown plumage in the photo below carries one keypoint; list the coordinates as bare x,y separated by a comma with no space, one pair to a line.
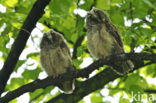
55,58
104,39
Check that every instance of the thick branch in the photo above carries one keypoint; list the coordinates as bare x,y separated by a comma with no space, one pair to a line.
124,89
150,91
35,14
82,73
86,87
89,86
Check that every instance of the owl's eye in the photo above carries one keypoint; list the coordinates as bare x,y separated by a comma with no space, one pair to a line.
89,15
52,33
95,11
49,37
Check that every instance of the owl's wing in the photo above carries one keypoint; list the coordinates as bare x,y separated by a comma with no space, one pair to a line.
115,33
65,48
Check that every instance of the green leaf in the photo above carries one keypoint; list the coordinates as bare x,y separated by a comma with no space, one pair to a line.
35,93
19,63
96,98
103,4
149,4
116,1
136,88
11,3
151,70
35,54
135,83
77,62
80,50
140,11
40,98
7,29
124,100
31,74
59,7
81,101
87,4
3,41
15,83
62,18
113,91
48,89
146,32
13,101
116,16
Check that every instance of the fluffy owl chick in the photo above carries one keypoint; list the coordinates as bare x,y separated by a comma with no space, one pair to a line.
55,58
104,39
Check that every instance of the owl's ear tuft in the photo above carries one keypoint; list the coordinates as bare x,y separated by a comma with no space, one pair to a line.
49,35
94,9
51,31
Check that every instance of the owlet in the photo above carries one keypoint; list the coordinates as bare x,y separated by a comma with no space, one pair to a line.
55,58
104,39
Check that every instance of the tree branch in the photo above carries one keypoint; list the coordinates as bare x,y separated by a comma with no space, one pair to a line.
124,89
76,45
80,38
86,87
150,91
89,86
108,74
35,14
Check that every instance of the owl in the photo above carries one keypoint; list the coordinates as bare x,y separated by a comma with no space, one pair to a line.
55,58
103,39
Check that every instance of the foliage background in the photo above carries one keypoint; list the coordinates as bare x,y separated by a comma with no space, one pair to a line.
135,19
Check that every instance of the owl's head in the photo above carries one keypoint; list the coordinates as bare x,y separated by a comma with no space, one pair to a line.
52,38
96,17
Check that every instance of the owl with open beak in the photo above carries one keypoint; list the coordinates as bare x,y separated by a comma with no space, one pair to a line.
55,58
103,39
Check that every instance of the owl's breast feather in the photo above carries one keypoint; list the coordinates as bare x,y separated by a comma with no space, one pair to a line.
55,61
100,42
